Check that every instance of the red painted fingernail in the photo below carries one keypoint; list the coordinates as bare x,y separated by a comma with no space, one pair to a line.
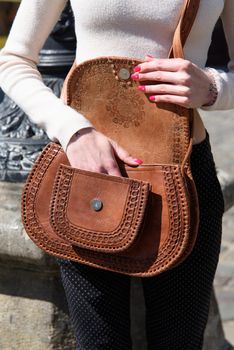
141,87
152,98
135,76
150,56
137,69
138,161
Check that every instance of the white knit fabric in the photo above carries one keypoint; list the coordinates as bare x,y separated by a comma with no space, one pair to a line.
104,28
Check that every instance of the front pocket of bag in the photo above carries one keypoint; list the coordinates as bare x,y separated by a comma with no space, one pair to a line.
97,211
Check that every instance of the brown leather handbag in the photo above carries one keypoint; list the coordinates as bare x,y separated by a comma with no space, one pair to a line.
142,223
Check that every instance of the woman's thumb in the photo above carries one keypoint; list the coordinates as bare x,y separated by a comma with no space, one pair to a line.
122,154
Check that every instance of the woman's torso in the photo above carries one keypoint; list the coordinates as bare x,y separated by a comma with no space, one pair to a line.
136,28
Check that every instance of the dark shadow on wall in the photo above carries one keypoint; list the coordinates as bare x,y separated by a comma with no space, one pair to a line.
28,283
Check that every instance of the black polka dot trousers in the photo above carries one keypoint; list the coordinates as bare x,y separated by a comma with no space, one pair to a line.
177,301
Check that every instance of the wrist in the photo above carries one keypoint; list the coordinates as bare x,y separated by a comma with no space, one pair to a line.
213,90
78,134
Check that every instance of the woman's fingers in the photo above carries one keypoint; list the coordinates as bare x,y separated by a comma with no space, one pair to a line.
175,99
91,150
111,167
122,154
173,71
176,78
173,81
160,76
165,64
165,89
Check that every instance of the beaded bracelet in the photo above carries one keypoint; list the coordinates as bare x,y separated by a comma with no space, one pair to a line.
213,90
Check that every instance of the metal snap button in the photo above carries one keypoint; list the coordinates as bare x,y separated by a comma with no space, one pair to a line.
124,74
96,204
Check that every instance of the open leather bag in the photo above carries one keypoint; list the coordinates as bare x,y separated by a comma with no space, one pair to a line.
142,223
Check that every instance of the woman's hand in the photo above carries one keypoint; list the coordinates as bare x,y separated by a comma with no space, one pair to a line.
91,150
176,80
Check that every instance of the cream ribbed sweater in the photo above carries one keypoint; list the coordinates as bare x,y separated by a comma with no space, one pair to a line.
105,27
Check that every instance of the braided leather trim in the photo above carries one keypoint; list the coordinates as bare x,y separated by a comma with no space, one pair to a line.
178,206
29,218
114,241
181,133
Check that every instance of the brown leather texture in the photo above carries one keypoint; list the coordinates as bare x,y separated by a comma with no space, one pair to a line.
147,220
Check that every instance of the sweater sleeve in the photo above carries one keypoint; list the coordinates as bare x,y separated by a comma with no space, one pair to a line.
225,80
20,78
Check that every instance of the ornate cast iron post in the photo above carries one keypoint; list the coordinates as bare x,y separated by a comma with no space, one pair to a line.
20,140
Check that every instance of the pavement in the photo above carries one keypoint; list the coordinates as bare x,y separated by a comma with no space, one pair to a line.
220,126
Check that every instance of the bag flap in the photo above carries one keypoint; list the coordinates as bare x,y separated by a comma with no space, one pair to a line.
97,211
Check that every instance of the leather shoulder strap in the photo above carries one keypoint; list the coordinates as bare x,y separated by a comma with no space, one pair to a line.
183,28
182,31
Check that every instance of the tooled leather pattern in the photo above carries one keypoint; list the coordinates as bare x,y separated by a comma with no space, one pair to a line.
119,117
122,97
194,211
113,241
114,106
181,139
178,207
30,220
115,109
